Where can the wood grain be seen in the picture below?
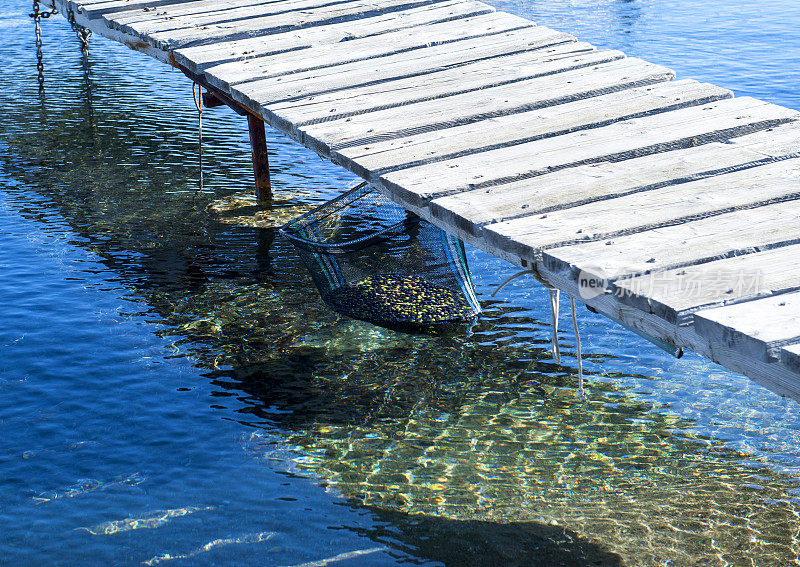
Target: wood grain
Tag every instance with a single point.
(757, 329)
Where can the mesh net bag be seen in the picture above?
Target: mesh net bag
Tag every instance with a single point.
(374, 261)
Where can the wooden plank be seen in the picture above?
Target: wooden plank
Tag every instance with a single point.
(622, 140)
(234, 15)
(249, 27)
(205, 8)
(342, 60)
(421, 37)
(378, 86)
(731, 234)
(126, 12)
(637, 212)
(477, 105)
(413, 21)
(674, 295)
(482, 74)
(471, 210)
(94, 9)
(127, 5)
(99, 27)
(419, 149)
(757, 329)
(790, 357)
(87, 4)
(147, 9)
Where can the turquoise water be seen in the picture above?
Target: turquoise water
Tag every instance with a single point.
(173, 391)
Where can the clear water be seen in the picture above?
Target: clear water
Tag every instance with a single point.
(172, 390)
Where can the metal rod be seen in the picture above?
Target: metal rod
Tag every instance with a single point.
(578, 350)
(555, 296)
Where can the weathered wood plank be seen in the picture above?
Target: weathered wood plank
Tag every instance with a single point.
(127, 5)
(731, 234)
(637, 212)
(94, 9)
(88, 4)
(205, 8)
(150, 9)
(363, 55)
(263, 25)
(790, 357)
(391, 43)
(674, 295)
(239, 16)
(99, 27)
(471, 210)
(622, 140)
(411, 151)
(479, 105)
(447, 82)
(401, 83)
(146, 12)
(411, 21)
(757, 328)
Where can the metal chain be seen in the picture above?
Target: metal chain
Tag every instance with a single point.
(83, 34)
(198, 103)
(38, 15)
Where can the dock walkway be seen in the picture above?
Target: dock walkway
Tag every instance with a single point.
(667, 205)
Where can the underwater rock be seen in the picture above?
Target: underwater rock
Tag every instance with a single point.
(243, 209)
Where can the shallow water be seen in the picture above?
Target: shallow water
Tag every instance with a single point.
(174, 391)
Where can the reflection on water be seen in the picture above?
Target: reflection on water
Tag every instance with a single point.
(150, 521)
(86, 486)
(247, 538)
(469, 446)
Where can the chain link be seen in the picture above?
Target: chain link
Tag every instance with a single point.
(198, 103)
(83, 34)
(38, 15)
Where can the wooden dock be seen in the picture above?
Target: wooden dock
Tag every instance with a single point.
(667, 205)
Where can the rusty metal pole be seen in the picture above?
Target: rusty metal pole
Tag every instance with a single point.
(258, 142)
